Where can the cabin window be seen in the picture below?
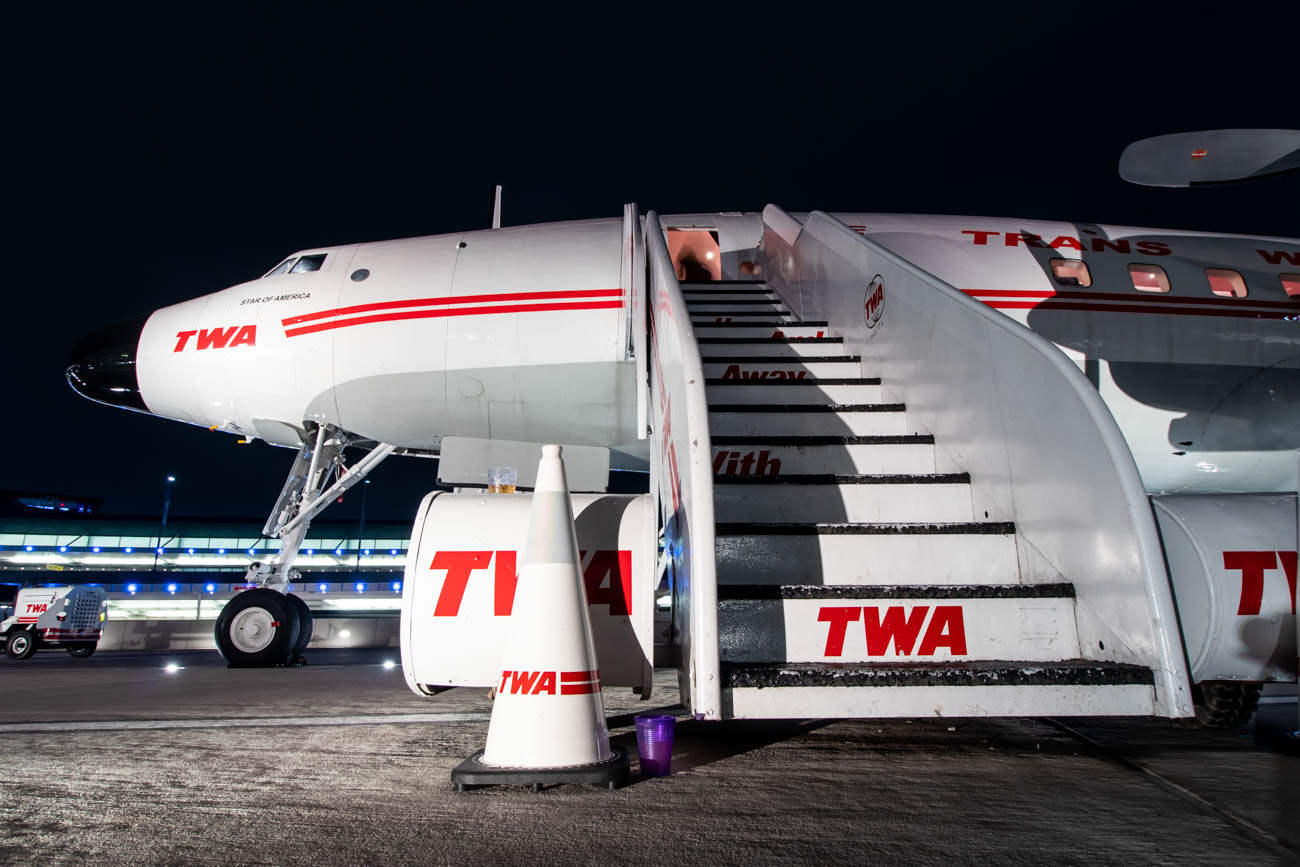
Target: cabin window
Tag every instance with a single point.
(1291, 284)
(1071, 272)
(1148, 278)
(283, 267)
(1228, 284)
(308, 263)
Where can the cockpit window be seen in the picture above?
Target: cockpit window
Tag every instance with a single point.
(308, 263)
(282, 268)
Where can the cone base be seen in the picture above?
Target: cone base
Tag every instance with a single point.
(472, 774)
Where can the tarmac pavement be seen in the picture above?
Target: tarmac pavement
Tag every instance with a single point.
(116, 760)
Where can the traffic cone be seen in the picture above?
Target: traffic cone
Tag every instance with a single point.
(548, 720)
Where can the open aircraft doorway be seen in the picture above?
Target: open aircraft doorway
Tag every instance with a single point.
(696, 254)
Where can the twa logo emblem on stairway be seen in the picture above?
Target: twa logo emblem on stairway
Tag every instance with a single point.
(893, 631)
(873, 304)
(734, 372)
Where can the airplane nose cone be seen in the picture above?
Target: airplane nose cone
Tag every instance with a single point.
(101, 366)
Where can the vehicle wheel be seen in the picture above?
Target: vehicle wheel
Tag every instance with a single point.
(306, 625)
(256, 629)
(22, 644)
(1225, 704)
(82, 650)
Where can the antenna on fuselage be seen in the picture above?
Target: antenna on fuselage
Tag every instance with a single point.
(496, 209)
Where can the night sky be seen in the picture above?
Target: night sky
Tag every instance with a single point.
(157, 154)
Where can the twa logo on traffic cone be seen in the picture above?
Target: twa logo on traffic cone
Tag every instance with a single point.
(548, 720)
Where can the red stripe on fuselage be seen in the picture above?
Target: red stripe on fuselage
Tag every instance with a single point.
(453, 299)
(450, 311)
(1145, 298)
(1048, 304)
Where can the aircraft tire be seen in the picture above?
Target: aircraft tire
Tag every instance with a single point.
(257, 629)
(82, 650)
(306, 625)
(21, 644)
(1226, 705)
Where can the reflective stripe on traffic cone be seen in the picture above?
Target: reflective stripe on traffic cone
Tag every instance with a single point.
(548, 720)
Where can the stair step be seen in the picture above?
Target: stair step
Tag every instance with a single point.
(771, 346)
(876, 419)
(777, 367)
(900, 690)
(693, 283)
(740, 301)
(756, 329)
(866, 554)
(843, 498)
(898, 623)
(734, 293)
(837, 392)
(750, 317)
(799, 457)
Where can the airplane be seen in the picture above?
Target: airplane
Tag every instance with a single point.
(523, 335)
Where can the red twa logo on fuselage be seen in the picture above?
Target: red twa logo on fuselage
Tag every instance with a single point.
(218, 338)
(607, 577)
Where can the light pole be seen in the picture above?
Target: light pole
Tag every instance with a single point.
(361, 527)
(162, 526)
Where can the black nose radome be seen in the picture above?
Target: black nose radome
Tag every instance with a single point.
(101, 366)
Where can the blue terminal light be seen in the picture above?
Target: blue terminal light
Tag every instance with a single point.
(250, 552)
(338, 552)
(397, 586)
(30, 548)
(96, 549)
(63, 549)
(221, 550)
(171, 588)
(322, 587)
(367, 552)
(211, 588)
(161, 550)
(191, 550)
(311, 551)
(361, 587)
(131, 588)
(392, 551)
(127, 550)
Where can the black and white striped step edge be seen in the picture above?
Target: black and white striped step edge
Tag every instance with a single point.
(685, 283)
(848, 479)
(695, 311)
(1071, 672)
(812, 323)
(730, 301)
(806, 407)
(746, 592)
(745, 359)
(807, 380)
(811, 440)
(991, 528)
(767, 341)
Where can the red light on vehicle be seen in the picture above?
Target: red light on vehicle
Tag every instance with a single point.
(1199, 154)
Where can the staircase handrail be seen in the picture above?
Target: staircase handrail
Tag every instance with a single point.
(1090, 418)
(682, 476)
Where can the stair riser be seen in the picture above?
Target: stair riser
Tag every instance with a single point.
(772, 330)
(868, 503)
(876, 559)
(763, 305)
(757, 460)
(885, 702)
(897, 630)
(792, 369)
(808, 424)
(701, 298)
(700, 318)
(785, 350)
(806, 393)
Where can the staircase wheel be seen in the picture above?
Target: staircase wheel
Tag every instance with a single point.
(1225, 704)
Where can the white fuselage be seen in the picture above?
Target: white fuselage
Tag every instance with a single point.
(522, 334)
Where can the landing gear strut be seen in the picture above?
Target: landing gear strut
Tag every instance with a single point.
(267, 625)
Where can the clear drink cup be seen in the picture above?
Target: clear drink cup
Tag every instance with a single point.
(501, 480)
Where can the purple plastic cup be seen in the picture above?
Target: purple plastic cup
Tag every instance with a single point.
(654, 742)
